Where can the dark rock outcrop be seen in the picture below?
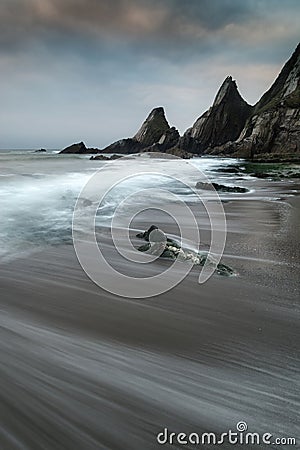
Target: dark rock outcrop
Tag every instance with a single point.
(174, 151)
(179, 152)
(221, 187)
(159, 244)
(285, 88)
(223, 122)
(105, 158)
(41, 150)
(75, 148)
(229, 169)
(79, 149)
(154, 127)
(168, 144)
(124, 146)
(273, 130)
(169, 139)
(155, 135)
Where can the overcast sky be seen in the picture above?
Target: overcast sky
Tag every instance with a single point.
(92, 70)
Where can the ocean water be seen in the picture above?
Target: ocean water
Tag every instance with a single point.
(38, 191)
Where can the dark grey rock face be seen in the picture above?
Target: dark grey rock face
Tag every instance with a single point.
(285, 88)
(273, 133)
(157, 243)
(179, 152)
(153, 128)
(79, 148)
(124, 146)
(173, 151)
(221, 187)
(75, 148)
(105, 158)
(273, 129)
(168, 143)
(169, 139)
(155, 134)
(223, 122)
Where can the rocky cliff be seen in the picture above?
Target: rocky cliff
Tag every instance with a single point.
(155, 134)
(273, 129)
(221, 123)
(153, 128)
(231, 127)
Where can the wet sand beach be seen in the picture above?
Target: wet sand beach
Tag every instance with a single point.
(84, 369)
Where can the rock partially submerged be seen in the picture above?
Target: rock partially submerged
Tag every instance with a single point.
(221, 187)
(79, 149)
(229, 169)
(41, 150)
(157, 243)
(105, 158)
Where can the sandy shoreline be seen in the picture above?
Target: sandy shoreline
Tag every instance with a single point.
(85, 369)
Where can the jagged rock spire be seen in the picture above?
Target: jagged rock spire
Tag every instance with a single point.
(153, 127)
(223, 122)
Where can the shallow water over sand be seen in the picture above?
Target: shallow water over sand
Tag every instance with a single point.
(38, 192)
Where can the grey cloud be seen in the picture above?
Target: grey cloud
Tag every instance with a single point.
(22, 21)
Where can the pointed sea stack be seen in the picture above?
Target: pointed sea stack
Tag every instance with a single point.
(221, 123)
(273, 130)
(155, 134)
(153, 128)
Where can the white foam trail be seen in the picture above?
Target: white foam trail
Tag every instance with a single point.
(38, 194)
